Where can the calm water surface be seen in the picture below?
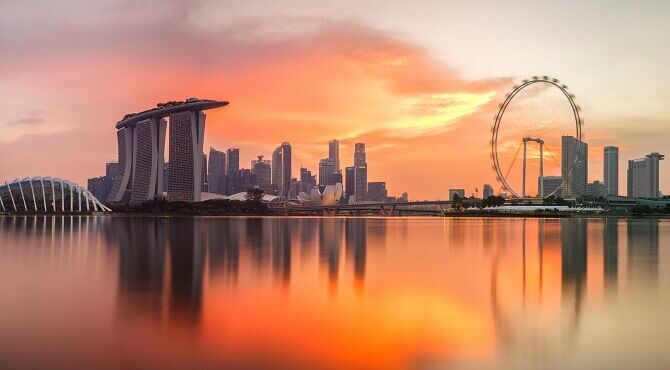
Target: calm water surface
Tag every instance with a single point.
(333, 293)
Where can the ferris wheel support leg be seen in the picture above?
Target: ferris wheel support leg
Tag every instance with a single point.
(541, 172)
(523, 183)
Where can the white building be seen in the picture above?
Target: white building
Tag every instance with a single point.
(643, 176)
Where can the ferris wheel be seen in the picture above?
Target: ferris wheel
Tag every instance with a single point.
(538, 111)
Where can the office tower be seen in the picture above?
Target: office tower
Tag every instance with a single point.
(574, 162)
(326, 170)
(377, 191)
(205, 186)
(334, 153)
(349, 182)
(216, 182)
(187, 132)
(404, 197)
(233, 156)
(454, 192)
(487, 191)
(245, 180)
(611, 170)
(359, 153)
(262, 168)
(360, 173)
(596, 189)
(336, 178)
(232, 170)
(307, 181)
(643, 176)
(281, 169)
(361, 182)
(551, 185)
(111, 170)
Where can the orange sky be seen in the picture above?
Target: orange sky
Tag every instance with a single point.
(425, 125)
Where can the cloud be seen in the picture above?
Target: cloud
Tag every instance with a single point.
(31, 119)
(333, 79)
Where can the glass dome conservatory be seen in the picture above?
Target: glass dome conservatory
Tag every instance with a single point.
(47, 195)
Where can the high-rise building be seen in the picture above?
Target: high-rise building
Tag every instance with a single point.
(643, 176)
(361, 182)
(574, 166)
(233, 156)
(360, 173)
(377, 191)
(596, 189)
(454, 192)
(326, 171)
(216, 181)
(245, 180)
(337, 178)
(611, 170)
(111, 170)
(349, 182)
(187, 133)
(487, 191)
(205, 186)
(334, 153)
(141, 143)
(307, 181)
(281, 169)
(262, 168)
(551, 186)
(359, 153)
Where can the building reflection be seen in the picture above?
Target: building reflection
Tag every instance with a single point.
(643, 255)
(356, 245)
(574, 261)
(610, 254)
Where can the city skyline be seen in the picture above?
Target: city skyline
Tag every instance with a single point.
(372, 83)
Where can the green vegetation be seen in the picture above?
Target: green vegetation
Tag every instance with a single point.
(642, 210)
(215, 207)
(493, 201)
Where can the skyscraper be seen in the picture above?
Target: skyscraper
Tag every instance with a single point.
(233, 155)
(360, 173)
(643, 176)
(205, 186)
(216, 181)
(487, 191)
(141, 143)
(262, 168)
(551, 185)
(361, 182)
(187, 133)
(611, 170)
(307, 181)
(359, 153)
(281, 169)
(326, 170)
(334, 153)
(574, 162)
(377, 191)
(349, 182)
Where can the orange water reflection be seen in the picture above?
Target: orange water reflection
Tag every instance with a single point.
(386, 293)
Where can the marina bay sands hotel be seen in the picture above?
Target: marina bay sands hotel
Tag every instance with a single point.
(141, 142)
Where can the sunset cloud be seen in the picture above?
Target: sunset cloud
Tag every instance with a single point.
(333, 79)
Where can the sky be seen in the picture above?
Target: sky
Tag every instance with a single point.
(419, 82)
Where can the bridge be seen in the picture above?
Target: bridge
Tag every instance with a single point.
(424, 207)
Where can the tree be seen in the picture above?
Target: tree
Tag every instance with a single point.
(254, 195)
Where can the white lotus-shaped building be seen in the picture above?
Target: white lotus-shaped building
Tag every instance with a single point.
(47, 195)
(331, 196)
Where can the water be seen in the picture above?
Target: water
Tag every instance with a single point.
(341, 293)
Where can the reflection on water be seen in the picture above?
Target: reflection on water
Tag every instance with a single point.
(109, 292)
